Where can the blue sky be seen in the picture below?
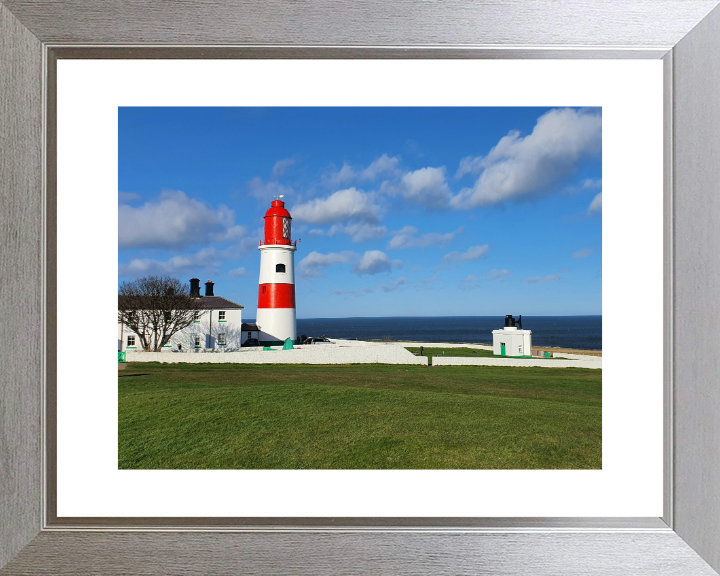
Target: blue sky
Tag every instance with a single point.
(401, 211)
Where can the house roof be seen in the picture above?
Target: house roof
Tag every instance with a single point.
(218, 303)
(248, 327)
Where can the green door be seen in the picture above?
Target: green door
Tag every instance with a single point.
(502, 349)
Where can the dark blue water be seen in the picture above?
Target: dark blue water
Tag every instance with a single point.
(581, 332)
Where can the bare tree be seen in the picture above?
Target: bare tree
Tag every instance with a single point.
(155, 308)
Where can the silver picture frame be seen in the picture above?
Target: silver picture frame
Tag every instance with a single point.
(685, 34)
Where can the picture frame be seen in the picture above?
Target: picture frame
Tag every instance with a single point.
(685, 34)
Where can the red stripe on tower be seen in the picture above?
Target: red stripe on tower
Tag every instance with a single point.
(276, 296)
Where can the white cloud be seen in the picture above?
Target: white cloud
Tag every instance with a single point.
(406, 238)
(338, 177)
(319, 259)
(311, 266)
(536, 279)
(173, 220)
(522, 167)
(374, 262)
(469, 165)
(430, 280)
(359, 232)
(596, 204)
(472, 253)
(205, 259)
(351, 292)
(281, 166)
(236, 232)
(342, 205)
(238, 273)
(383, 165)
(402, 281)
(590, 183)
(247, 244)
(267, 191)
(469, 278)
(499, 274)
(582, 253)
(128, 196)
(425, 186)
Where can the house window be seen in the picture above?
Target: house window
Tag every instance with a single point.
(221, 316)
(196, 316)
(249, 334)
(280, 268)
(131, 341)
(221, 339)
(197, 341)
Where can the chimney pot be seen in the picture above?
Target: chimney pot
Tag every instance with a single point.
(195, 287)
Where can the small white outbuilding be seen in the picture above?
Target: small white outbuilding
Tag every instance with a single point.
(512, 341)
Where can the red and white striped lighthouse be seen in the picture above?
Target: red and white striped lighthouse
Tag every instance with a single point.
(276, 297)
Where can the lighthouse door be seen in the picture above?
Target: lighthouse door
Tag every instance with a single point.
(502, 349)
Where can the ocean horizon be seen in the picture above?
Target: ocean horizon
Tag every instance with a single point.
(580, 332)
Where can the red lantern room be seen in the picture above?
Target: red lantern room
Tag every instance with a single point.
(277, 224)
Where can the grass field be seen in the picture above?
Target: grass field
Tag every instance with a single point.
(230, 416)
(460, 352)
(452, 352)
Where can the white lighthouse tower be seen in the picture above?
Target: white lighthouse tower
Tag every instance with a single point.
(276, 296)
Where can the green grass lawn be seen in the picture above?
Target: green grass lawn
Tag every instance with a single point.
(452, 352)
(231, 416)
(462, 352)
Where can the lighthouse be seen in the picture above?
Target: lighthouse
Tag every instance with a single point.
(512, 340)
(276, 295)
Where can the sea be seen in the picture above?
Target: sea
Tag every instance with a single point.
(579, 332)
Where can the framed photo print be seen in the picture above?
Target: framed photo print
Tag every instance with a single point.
(417, 295)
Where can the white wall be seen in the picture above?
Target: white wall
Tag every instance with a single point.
(517, 342)
(270, 256)
(202, 327)
(276, 324)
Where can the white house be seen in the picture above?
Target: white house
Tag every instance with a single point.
(250, 331)
(511, 340)
(217, 326)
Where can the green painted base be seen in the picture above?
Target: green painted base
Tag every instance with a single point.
(271, 343)
(501, 356)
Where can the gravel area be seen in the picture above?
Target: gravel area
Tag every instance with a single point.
(361, 352)
(518, 362)
(584, 357)
(443, 345)
(316, 354)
